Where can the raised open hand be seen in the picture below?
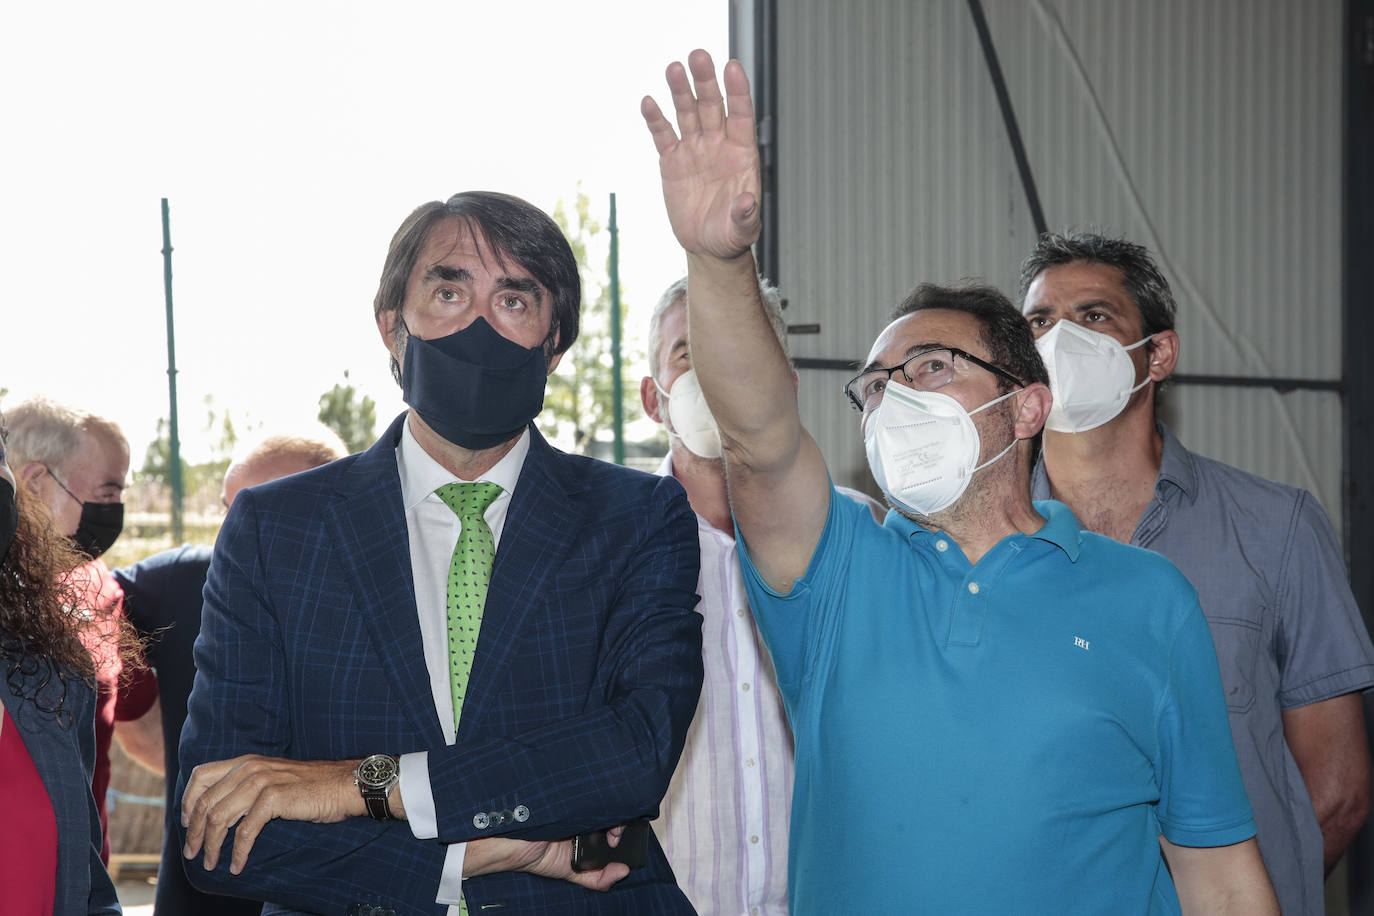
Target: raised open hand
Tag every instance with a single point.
(711, 173)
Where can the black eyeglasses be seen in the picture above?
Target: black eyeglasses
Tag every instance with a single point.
(929, 370)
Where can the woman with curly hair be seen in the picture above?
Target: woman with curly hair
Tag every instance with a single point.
(50, 843)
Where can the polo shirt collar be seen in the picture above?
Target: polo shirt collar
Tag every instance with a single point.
(1060, 528)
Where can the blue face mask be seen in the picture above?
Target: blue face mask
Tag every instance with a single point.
(474, 388)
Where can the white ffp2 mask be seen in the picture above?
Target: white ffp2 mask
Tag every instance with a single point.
(1091, 376)
(691, 418)
(923, 447)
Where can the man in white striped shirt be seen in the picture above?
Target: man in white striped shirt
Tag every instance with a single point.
(724, 820)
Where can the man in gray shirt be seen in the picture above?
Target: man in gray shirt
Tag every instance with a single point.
(1293, 648)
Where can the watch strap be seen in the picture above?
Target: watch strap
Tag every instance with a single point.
(378, 808)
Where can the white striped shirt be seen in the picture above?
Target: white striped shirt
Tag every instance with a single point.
(724, 821)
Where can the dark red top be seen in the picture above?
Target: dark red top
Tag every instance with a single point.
(28, 839)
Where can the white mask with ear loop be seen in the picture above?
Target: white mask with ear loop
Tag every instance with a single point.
(1091, 376)
(923, 447)
(691, 417)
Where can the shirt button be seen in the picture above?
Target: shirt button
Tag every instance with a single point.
(749, 762)
(754, 839)
(745, 687)
(942, 546)
(973, 588)
(739, 612)
(753, 911)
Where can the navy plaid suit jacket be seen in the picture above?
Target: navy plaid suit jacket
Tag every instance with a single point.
(586, 677)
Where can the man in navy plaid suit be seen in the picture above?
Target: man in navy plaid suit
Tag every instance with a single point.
(325, 690)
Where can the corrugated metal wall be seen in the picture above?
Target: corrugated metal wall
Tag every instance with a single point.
(1209, 131)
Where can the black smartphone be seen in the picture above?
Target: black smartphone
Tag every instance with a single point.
(590, 850)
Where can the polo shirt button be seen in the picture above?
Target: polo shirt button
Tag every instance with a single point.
(973, 588)
(942, 545)
(481, 821)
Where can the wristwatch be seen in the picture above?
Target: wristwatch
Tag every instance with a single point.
(375, 777)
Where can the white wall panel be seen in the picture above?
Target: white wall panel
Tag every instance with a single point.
(1209, 131)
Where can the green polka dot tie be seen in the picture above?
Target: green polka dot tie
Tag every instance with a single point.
(469, 575)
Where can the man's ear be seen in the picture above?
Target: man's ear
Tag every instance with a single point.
(1162, 351)
(29, 474)
(1032, 405)
(386, 326)
(648, 396)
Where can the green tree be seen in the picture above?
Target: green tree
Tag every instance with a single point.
(578, 405)
(157, 459)
(222, 437)
(354, 418)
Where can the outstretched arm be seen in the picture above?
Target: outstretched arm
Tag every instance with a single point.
(779, 490)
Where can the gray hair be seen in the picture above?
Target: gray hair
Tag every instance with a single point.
(45, 431)
(768, 294)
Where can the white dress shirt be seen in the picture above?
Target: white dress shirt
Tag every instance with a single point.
(433, 529)
(724, 821)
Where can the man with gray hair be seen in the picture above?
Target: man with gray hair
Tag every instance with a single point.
(728, 858)
(162, 595)
(76, 463)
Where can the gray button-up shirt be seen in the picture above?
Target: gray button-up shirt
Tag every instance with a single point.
(1273, 585)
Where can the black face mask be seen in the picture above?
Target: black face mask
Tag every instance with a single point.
(99, 526)
(475, 388)
(9, 517)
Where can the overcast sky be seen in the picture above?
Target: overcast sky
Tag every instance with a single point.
(291, 139)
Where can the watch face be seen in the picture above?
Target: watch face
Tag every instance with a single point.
(377, 770)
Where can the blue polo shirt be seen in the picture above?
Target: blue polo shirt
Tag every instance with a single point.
(1010, 736)
(1271, 579)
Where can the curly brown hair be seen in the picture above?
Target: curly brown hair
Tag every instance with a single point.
(40, 630)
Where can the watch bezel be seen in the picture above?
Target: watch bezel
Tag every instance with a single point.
(378, 771)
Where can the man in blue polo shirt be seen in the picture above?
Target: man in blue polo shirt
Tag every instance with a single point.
(994, 711)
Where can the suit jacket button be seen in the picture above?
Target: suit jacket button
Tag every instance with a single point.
(522, 814)
(481, 821)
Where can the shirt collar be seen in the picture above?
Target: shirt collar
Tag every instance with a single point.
(1176, 464)
(1175, 467)
(421, 475)
(1060, 528)
(665, 468)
